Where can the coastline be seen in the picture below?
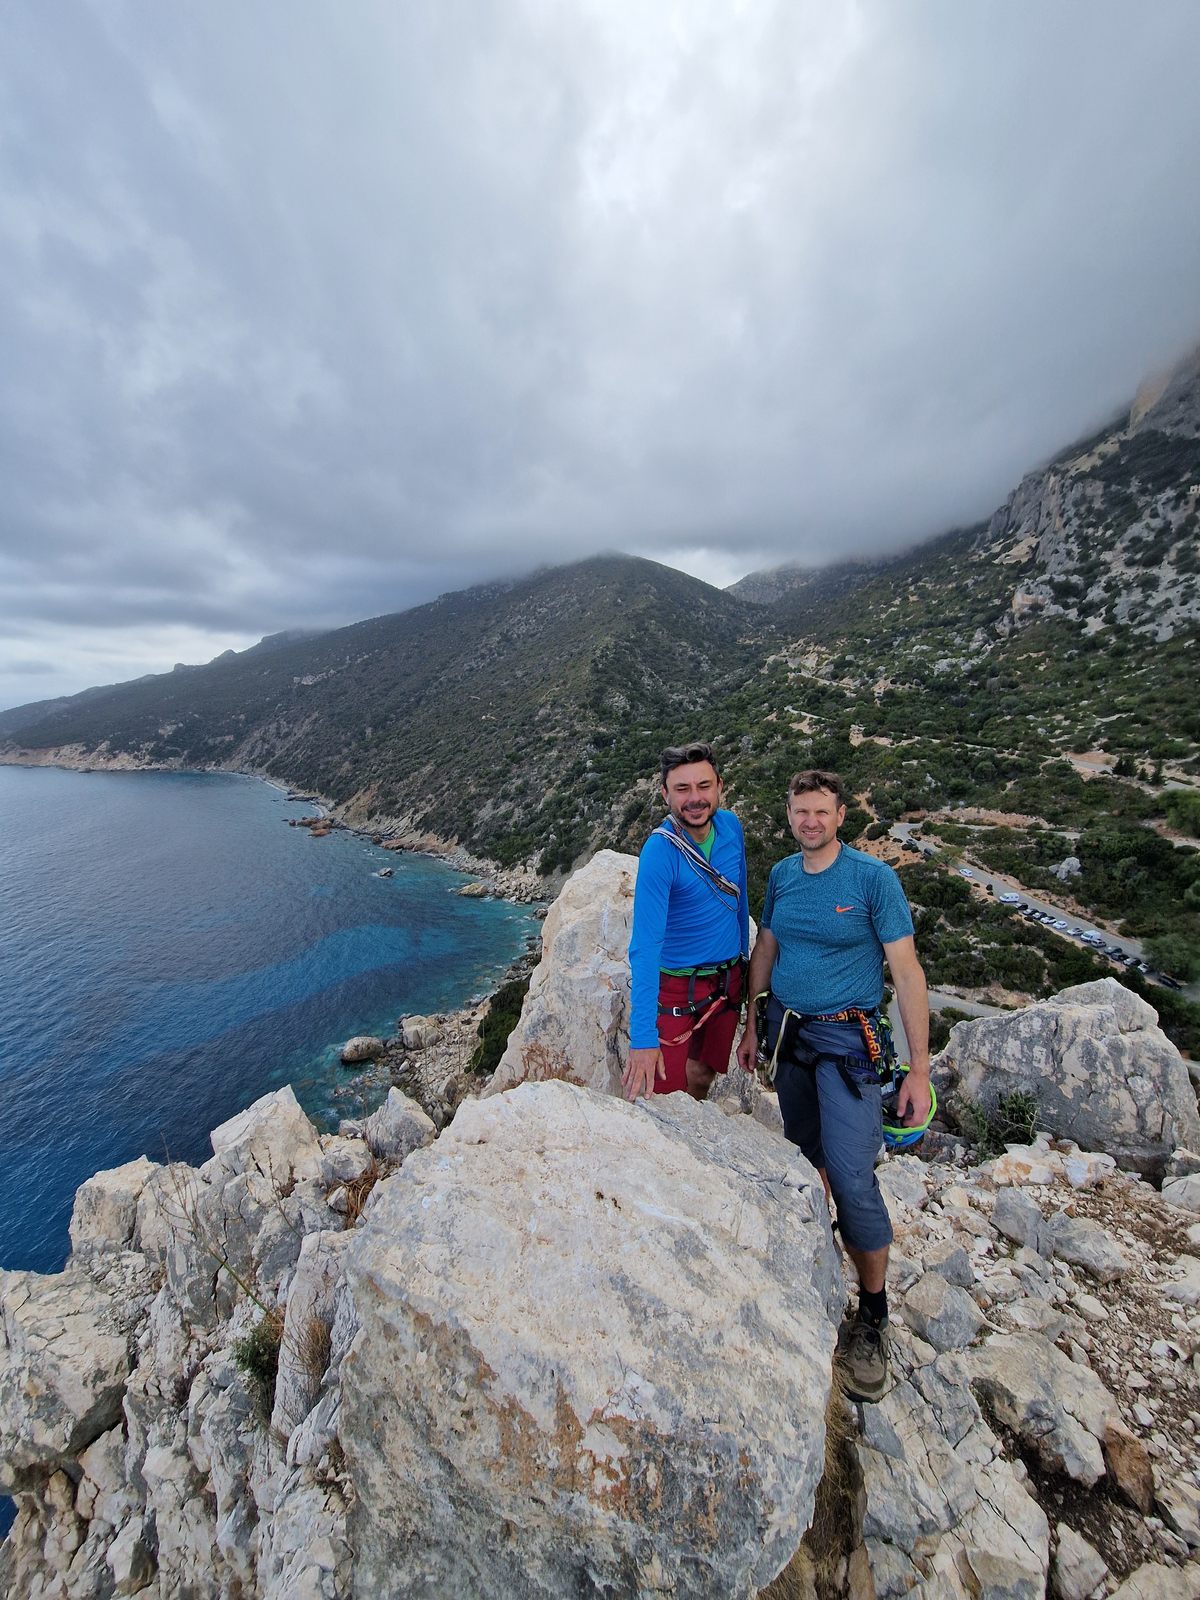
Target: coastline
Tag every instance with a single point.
(522, 885)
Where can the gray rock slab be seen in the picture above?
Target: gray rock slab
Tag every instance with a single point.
(1084, 1244)
(1018, 1217)
(1058, 1407)
(1078, 1566)
(64, 1360)
(941, 1313)
(1156, 1581)
(523, 1409)
(105, 1209)
(397, 1128)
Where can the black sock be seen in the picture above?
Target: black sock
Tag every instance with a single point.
(872, 1305)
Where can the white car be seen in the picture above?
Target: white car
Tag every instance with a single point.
(1060, 925)
(1091, 937)
(1009, 899)
(965, 872)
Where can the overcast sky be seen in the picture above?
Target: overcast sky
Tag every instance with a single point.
(313, 311)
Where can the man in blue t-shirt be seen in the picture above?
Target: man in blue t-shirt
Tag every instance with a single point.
(830, 918)
(691, 930)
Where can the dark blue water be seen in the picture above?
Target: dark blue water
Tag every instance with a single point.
(170, 950)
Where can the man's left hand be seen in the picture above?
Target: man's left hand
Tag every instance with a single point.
(913, 1097)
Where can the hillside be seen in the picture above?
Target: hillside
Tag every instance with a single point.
(505, 717)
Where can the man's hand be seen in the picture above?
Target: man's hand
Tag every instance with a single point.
(747, 1050)
(913, 1097)
(640, 1072)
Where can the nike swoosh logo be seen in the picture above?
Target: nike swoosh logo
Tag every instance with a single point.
(843, 908)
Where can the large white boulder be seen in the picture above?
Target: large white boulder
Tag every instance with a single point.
(594, 1355)
(1103, 1072)
(575, 1020)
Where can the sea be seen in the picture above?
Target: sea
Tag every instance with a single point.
(170, 950)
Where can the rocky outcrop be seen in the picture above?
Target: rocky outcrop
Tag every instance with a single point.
(363, 1047)
(574, 1024)
(577, 1346)
(1103, 1073)
(575, 1020)
(635, 1338)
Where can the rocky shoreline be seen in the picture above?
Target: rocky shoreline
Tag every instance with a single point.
(522, 885)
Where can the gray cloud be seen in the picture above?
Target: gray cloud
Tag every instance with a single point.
(312, 313)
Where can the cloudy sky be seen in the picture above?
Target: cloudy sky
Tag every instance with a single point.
(313, 311)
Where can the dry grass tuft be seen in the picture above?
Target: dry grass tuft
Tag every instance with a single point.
(815, 1571)
(358, 1190)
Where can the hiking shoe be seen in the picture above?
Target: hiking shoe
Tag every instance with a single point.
(862, 1359)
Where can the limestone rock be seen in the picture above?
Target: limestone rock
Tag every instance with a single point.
(66, 1360)
(1084, 1244)
(1154, 1581)
(1078, 1566)
(942, 1314)
(418, 1033)
(939, 1493)
(1060, 1408)
(575, 1020)
(1179, 1502)
(1105, 1075)
(523, 1410)
(397, 1128)
(1183, 1192)
(272, 1137)
(1128, 1466)
(305, 1349)
(363, 1047)
(105, 1209)
(1018, 1217)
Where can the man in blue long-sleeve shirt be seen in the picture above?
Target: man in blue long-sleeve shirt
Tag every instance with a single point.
(691, 922)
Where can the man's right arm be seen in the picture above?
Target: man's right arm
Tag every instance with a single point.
(650, 898)
(762, 961)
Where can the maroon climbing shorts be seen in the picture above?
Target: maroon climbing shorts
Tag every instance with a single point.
(710, 1043)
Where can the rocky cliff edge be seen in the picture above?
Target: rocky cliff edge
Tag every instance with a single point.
(570, 1346)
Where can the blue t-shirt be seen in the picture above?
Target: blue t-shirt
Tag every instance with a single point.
(682, 920)
(831, 928)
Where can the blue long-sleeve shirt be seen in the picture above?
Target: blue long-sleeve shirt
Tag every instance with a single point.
(682, 920)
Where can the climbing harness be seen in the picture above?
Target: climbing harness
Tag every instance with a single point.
(877, 1061)
(703, 1009)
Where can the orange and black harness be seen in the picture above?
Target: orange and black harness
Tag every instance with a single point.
(879, 1048)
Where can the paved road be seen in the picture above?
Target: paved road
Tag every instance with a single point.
(981, 878)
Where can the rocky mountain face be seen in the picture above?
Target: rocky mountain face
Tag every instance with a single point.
(1108, 533)
(572, 1346)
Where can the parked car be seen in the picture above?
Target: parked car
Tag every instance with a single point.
(1165, 977)
(1090, 936)
(1010, 899)
(1060, 924)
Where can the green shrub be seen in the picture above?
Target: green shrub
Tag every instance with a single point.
(502, 1017)
(257, 1355)
(1010, 1119)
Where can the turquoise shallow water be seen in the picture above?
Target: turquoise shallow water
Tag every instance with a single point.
(171, 950)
